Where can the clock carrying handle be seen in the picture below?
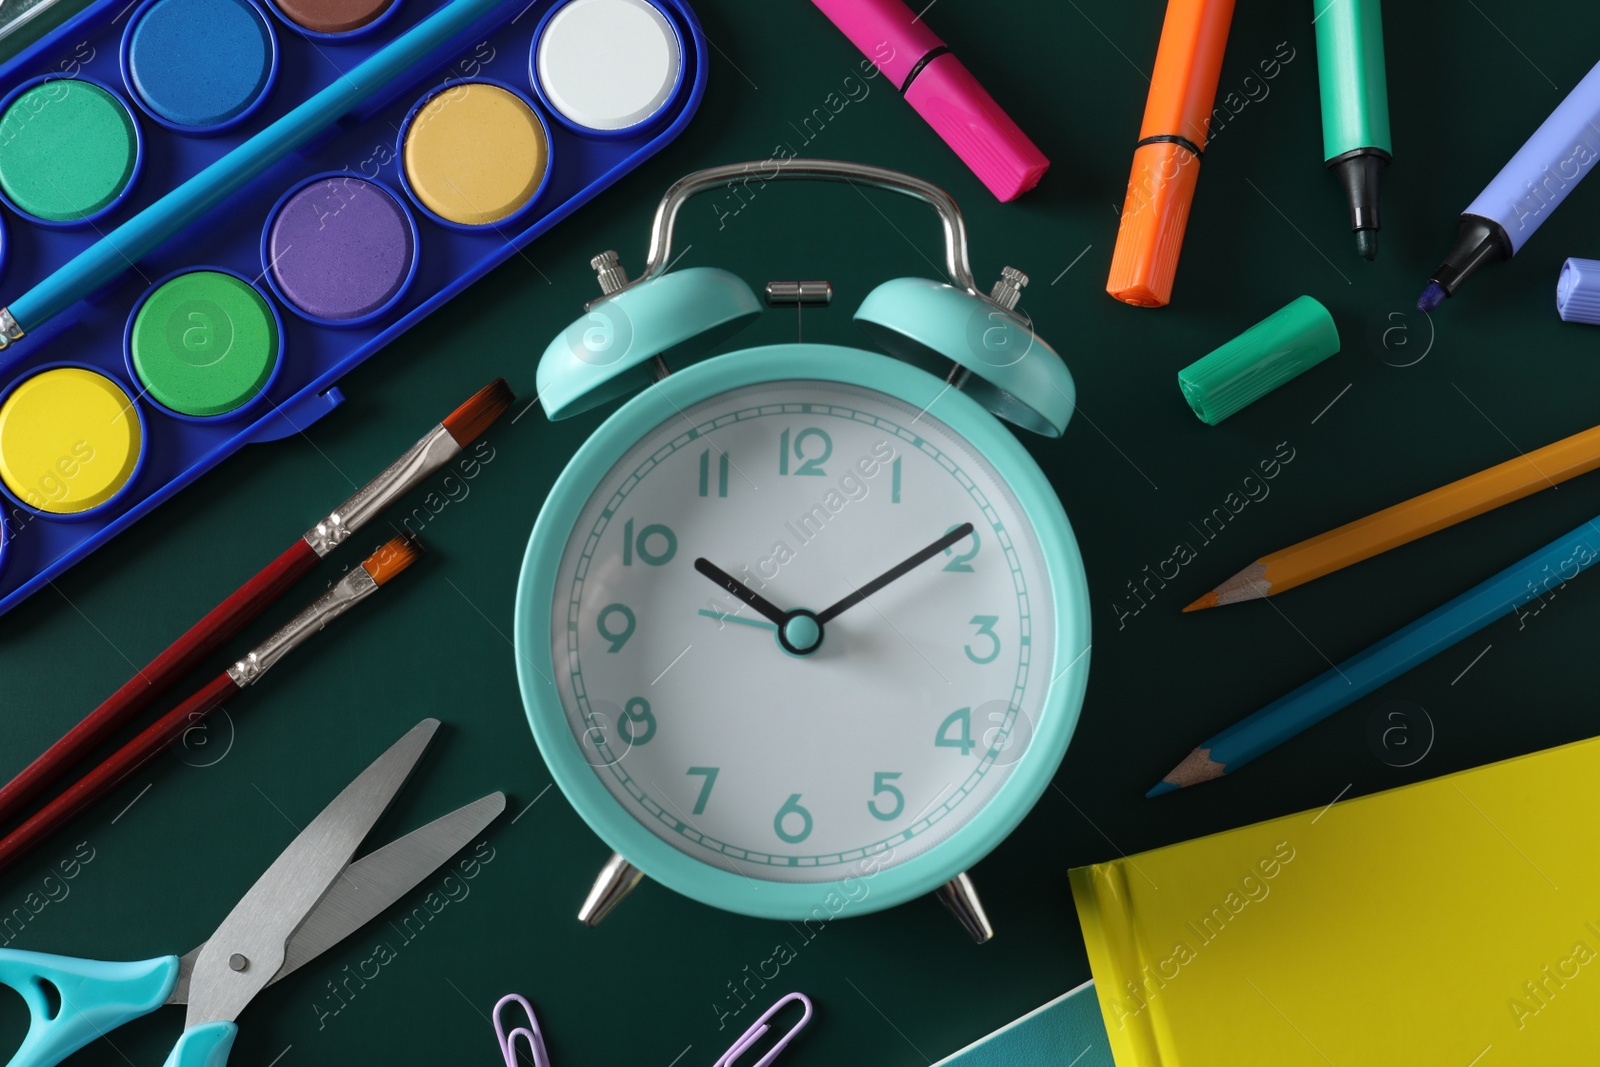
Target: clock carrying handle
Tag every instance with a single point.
(823, 170)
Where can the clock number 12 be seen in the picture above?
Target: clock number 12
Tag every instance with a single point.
(810, 464)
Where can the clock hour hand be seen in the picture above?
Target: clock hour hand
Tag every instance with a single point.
(733, 585)
(899, 570)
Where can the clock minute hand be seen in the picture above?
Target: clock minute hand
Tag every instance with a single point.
(742, 591)
(899, 570)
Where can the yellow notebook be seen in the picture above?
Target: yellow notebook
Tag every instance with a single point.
(1453, 922)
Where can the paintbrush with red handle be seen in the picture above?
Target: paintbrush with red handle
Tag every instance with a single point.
(375, 571)
(442, 444)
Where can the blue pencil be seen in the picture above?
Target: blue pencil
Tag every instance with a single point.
(1359, 675)
(405, 56)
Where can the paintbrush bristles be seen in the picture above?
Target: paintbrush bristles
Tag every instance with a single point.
(393, 557)
(467, 422)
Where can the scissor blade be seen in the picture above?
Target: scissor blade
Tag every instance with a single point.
(247, 950)
(385, 876)
(372, 883)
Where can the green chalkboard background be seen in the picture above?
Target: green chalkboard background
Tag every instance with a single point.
(1407, 405)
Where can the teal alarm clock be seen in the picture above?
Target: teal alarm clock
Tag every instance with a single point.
(802, 630)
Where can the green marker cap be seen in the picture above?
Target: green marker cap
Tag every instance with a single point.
(1293, 339)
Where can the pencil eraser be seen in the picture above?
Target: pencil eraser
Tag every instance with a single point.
(1155, 214)
(1286, 343)
(1578, 291)
(959, 109)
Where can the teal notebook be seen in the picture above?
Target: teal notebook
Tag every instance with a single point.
(1067, 1032)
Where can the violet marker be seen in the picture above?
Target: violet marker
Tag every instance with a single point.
(1525, 192)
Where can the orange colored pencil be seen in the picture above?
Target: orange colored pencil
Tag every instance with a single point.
(1409, 520)
(1166, 161)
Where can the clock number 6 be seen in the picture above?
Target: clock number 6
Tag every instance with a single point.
(617, 638)
(636, 713)
(792, 807)
(985, 625)
(880, 786)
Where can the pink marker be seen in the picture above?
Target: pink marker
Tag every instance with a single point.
(943, 91)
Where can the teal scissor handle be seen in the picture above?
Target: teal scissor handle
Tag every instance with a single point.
(206, 1045)
(71, 1001)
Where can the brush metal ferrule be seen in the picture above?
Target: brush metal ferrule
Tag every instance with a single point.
(419, 462)
(350, 590)
(10, 329)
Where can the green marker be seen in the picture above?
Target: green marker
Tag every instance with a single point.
(1355, 107)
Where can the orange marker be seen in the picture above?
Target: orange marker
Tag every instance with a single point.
(1166, 161)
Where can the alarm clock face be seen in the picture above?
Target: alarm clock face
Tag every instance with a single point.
(875, 736)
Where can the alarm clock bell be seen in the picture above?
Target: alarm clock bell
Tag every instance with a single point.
(638, 328)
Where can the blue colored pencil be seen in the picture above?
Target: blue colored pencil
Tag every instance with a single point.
(405, 56)
(1359, 675)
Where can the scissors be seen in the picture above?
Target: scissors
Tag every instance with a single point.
(309, 900)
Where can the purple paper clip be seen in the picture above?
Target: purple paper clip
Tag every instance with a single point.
(530, 1033)
(760, 1027)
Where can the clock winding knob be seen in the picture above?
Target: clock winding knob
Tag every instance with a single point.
(608, 268)
(1008, 290)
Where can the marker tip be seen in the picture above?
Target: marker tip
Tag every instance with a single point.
(1431, 297)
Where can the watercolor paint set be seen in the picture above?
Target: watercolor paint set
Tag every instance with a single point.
(237, 326)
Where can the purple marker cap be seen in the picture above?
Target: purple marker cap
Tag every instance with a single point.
(341, 249)
(1578, 291)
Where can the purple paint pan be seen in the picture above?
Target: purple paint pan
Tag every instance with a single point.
(340, 250)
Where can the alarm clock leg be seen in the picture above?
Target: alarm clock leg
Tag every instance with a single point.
(962, 899)
(617, 879)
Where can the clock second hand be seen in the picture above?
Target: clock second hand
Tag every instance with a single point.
(728, 616)
(899, 570)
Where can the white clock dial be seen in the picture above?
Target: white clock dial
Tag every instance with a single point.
(882, 740)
